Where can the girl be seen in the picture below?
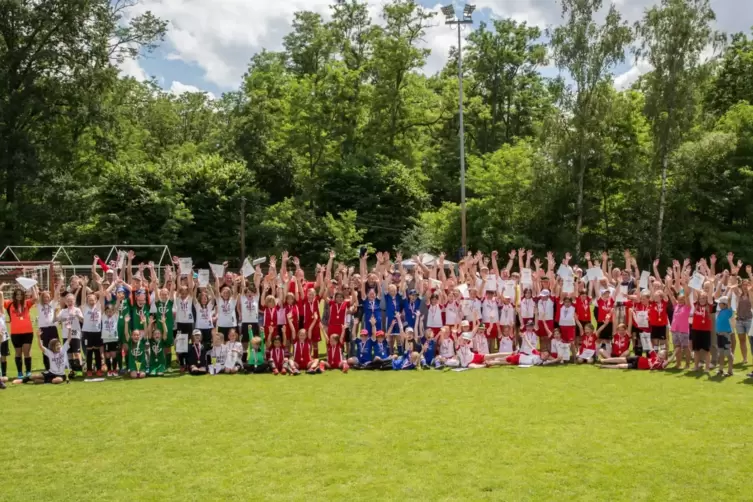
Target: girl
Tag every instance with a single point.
(429, 348)
(641, 321)
(71, 319)
(226, 309)
(453, 311)
(156, 350)
(123, 299)
(110, 337)
(480, 341)
(587, 349)
(335, 353)
(723, 336)
(56, 356)
(446, 355)
(164, 306)
(301, 357)
(529, 339)
(490, 318)
(657, 320)
(184, 318)
(507, 318)
(434, 320)
(233, 361)
(137, 353)
(205, 318)
(196, 359)
(654, 361)
(507, 340)
(560, 353)
(527, 307)
(292, 315)
(248, 307)
(743, 317)
(700, 332)
(92, 331)
(47, 310)
(256, 362)
(4, 352)
(393, 304)
(412, 351)
(680, 327)
(371, 307)
(269, 320)
(21, 329)
(620, 346)
(382, 352)
(311, 319)
(604, 306)
(567, 320)
(545, 315)
(217, 354)
(277, 359)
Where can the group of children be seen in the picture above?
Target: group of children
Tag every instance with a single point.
(401, 314)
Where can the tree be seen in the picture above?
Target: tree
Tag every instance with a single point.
(732, 81)
(673, 34)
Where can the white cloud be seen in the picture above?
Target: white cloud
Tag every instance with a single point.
(131, 68)
(179, 88)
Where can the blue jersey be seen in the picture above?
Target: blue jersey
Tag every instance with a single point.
(723, 324)
(381, 349)
(372, 308)
(410, 311)
(429, 352)
(393, 307)
(363, 350)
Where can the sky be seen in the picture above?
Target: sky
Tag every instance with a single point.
(210, 42)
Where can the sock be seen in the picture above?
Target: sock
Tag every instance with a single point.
(19, 365)
(244, 358)
(4, 368)
(119, 359)
(46, 361)
(89, 360)
(27, 360)
(168, 360)
(98, 359)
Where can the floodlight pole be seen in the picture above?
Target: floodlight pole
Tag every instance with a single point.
(458, 23)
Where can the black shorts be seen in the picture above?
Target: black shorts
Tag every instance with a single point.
(607, 333)
(74, 347)
(19, 341)
(47, 334)
(658, 332)
(49, 376)
(700, 340)
(248, 330)
(184, 327)
(112, 346)
(206, 338)
(4, 349)
(225, 332)
(632, 362)
(92, 339)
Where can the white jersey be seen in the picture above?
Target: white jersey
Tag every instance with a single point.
(567, 316)
(505, 345)
(527, 308)
(58, 360)
(532, 339)
(184, 306)
(529, 360)
(470, 306)
(507, 314)
(447, 348)
(489, 311)
(233, 352)
(3, 328)
(92, 318)
(46, 314)
(204, 315)
(250, 309)
(110, 328)
(226, 313)
(480, 343)
(218, 354)
(452, 313)
(434, 316)
(546, 309)
(70, 322)
(562, 349)
(465, 355)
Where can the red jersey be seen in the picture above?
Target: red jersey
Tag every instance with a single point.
(701, 317)
(337, 313)
(588, 343)
(637, 309)
(620, 343)
(334, 354)
(583, 308)
(652, 362)
(302, 353)
(309, 309)
(293, 311)
(603, 308)
(657, 313)
(269, 318)
(277, 356)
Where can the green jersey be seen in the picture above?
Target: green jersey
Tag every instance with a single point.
(256, 357)
(157, 357)
(139, 317)
(166, 308)
(125, 310)
(137, 355)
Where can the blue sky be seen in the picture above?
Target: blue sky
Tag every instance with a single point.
(210, 42)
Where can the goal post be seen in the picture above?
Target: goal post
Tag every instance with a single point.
(48, 274)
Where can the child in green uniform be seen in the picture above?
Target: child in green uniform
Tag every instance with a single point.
(139, 313)
(256, 362)
(163, 307)
(137, 351)
(123, 297)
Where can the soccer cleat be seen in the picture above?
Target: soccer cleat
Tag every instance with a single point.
(345, 368)
(284, 371)
(89, 374)
(2, 385)
(28, 374)
(275, 372)
(99, 373)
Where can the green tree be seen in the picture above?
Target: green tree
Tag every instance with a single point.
(732, 81)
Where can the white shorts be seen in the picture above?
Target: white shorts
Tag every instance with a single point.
(586, 354)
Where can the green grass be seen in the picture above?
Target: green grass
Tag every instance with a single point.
(574, 433)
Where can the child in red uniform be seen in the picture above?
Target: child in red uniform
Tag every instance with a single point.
(301, 357)
(658, 321)
(337, 310)
(654, 361)
(269, 320)
(335, 353)
(620, 342)
(587, 344)
(700, 331)
(641, 321)
(277, 360)
(310, 309)
(292, 317)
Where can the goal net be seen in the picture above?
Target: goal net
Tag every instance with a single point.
(47, 274)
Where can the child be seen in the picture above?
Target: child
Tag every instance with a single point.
(196, 358)
(277, 360)
(658, 320)
(57, 356)
(480, 343)
(429, 348)
(110, 337)
(164, 306)
(567, 322)
(680, 328)
(47, 309)
(507, 340)
(4, 349)
(654, 361)
(156, 348)
(620, 346)
(587, 344)
(217, 354)
(382, 351)
(233, 360)
(446, 355)
(335, 352)
(92, 332)
(529, 339)
(364, 347)
(723, 336)
(300, 359)
(412, 349)
(70, 319)
(641, 313)
(136, 354)
(561, 351)
(469, 359)
(256, 362)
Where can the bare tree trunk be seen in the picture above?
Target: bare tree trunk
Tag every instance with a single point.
(662, 201)
(581, 179)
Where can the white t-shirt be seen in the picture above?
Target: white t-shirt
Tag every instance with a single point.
(46, 314)
(184, 306)
(465, 355)
(507, 314)
(226, 317)
(447, 348)
(250, 309)
(70, 322)
(110, 328)
(561, 348)
(3, 328)
(480, 343)
(471, 306)
(434, 316)
(92, 318)
(529, 360)
(567, 316)
(532, 338)
(58, 360)
(219, 354)
(452, 313)
(527, 308)
(546, 309)
(505, 344)
(490, 311)
(204, 315)
(234, 350)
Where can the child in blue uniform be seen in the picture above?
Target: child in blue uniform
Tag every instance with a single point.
(382, 353)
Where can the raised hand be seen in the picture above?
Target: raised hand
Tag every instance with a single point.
(568, 257)
(332, 254)
(587, 256)
(730, 257)
(399, 257)
(131, 255)
(712, 259)
(529, 254)
(512, 254)
(656, 262)
(285, 256)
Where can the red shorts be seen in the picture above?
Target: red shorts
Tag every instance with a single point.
(478, 359)
(568, 333)
(435, 330)
(513, 359)
(335, 329)
(540, 328)
(316, 334)
(493, 332)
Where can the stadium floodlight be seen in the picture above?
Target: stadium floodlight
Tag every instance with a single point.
(448, 11)
(468, 10)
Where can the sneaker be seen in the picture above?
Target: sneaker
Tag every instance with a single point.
(20, 376)
(345, 368)
(99, 373)
(89, 374)
(275, 372)
(720, 373)
(284, 371)
(28, 374)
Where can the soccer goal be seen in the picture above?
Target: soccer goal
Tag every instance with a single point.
(48, 274)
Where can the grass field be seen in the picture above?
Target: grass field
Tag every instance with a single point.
(496, 434)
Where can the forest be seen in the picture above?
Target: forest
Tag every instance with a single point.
(342, 140)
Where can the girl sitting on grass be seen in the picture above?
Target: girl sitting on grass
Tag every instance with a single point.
(58, 360)
(196, 358)
(217, 354)
(446, 355)
(278, 361)
(137, 351)
(256, 362)
(588, 339)
(335, 358)
(233, 360)
(301, 359)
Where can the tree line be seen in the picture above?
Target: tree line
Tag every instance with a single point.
(340, 140)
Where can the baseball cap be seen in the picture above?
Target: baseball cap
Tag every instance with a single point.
(196, 332)
(544, 292)
(380, 333)
(364, 332)
(412, 292)
(723, 299)
(467, 336)
(465, 323)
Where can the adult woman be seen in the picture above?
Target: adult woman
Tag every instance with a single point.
(744, 316)
(21, 330)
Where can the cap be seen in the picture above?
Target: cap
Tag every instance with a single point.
(465, 323)
(544, 292)
(467, 336)
(529, 323)
(723, 299)
(364, 332)
(412, 292)
(196, 332)
(380, 333)
(604, 290)
(409, 330)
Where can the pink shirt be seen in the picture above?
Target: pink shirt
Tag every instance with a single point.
(681, 319)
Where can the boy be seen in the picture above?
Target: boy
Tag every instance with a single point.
(723, 336)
